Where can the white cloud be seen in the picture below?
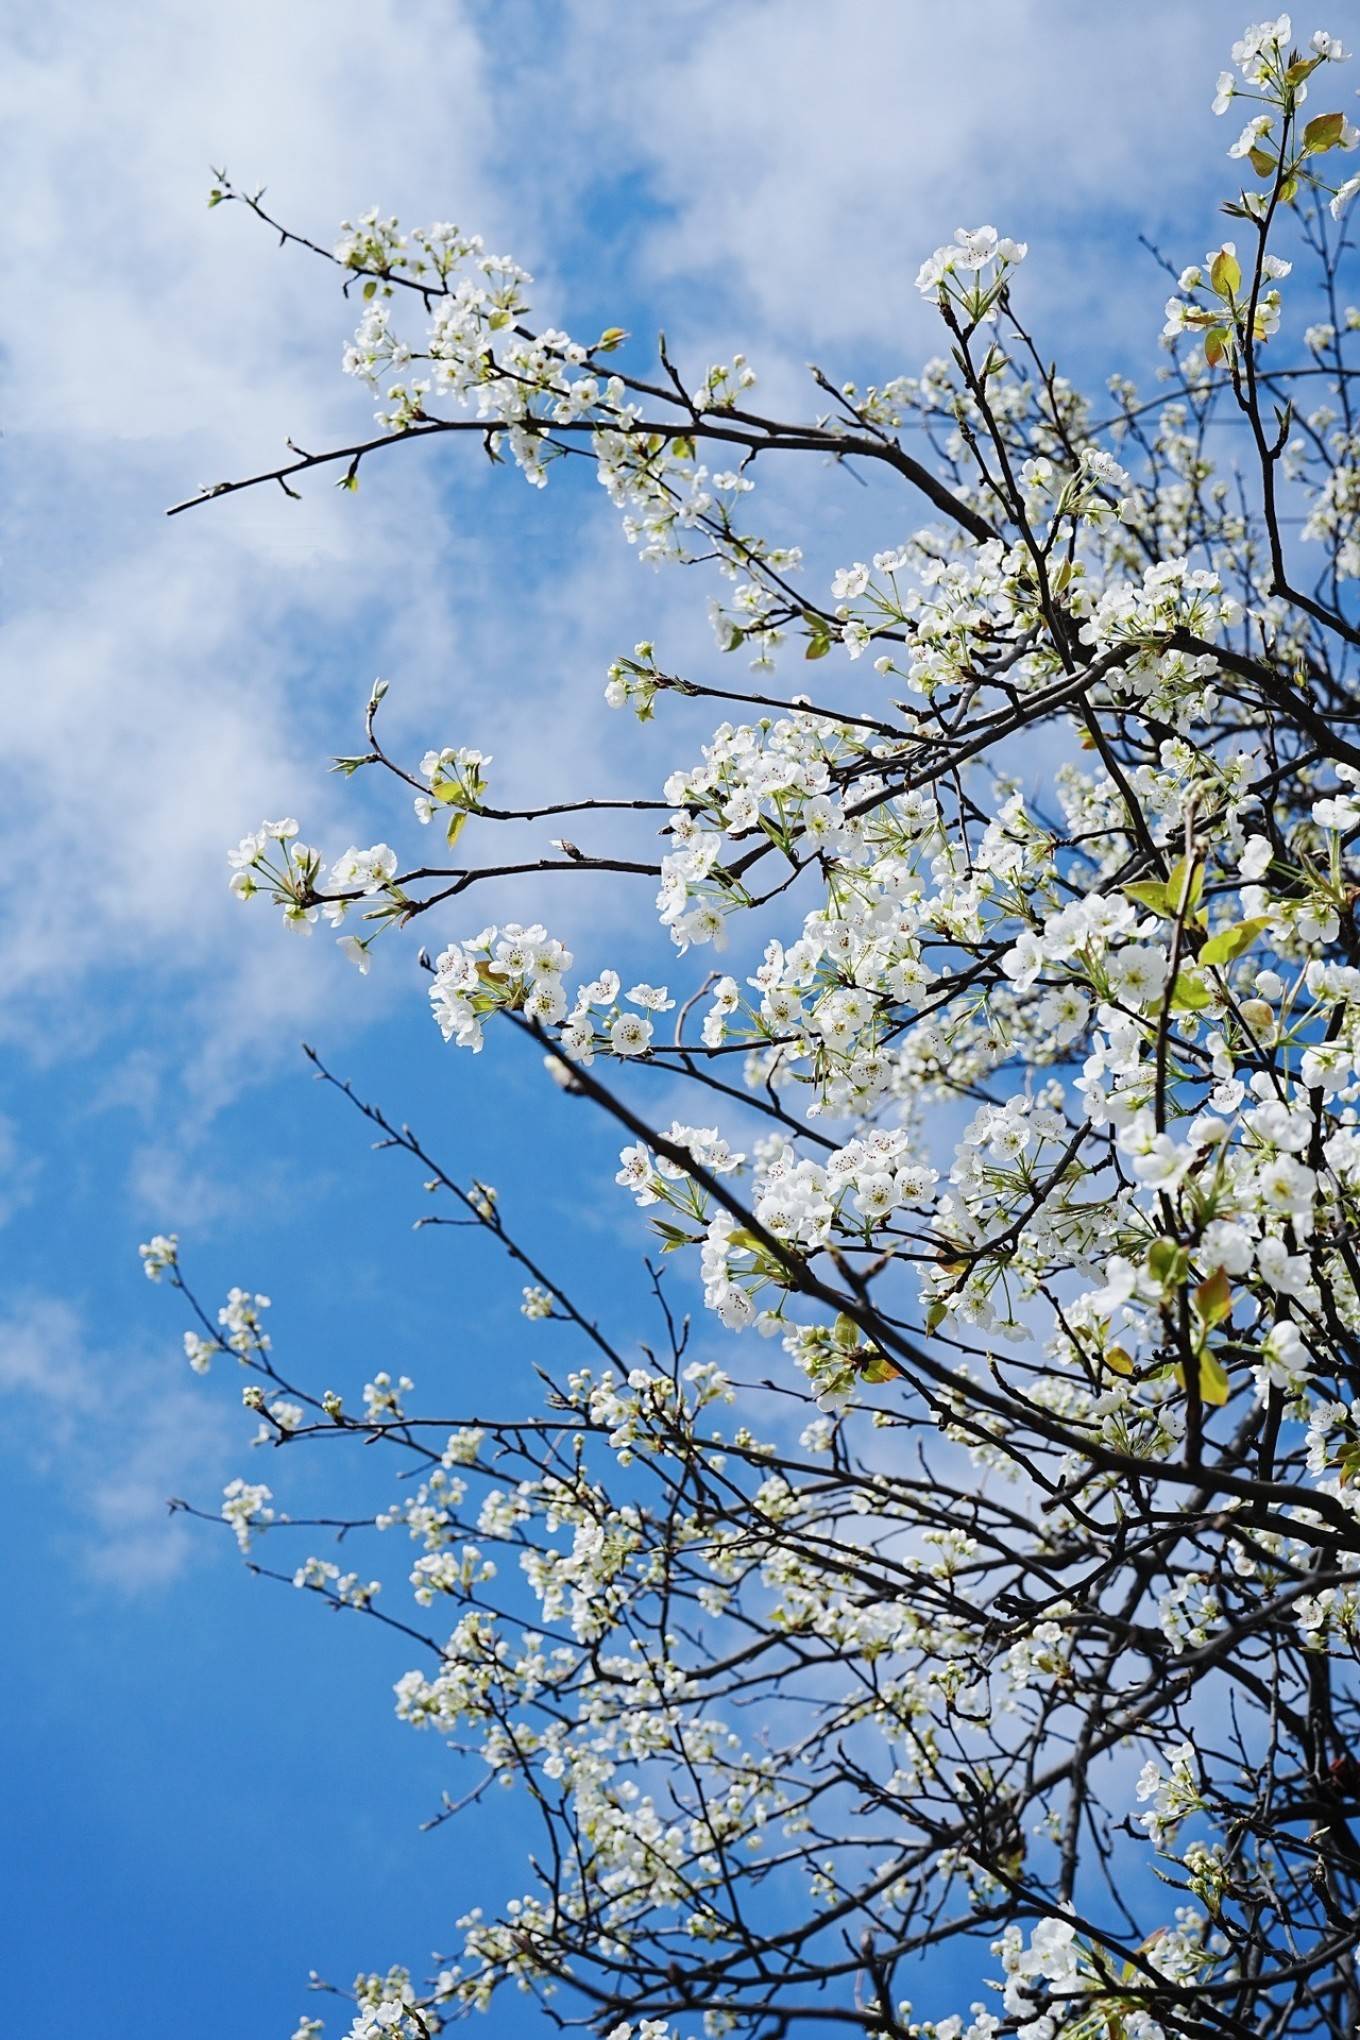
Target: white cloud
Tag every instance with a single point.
(112, 1433)
(176, 679)
(182, 679)
(20, 1170)
(807, 157)
(163, 322)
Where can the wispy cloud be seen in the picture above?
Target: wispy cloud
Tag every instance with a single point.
(804, 158)
(111, 1432)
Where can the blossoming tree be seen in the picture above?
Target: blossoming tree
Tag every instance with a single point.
(1024, 1654)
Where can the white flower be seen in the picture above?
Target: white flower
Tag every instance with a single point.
(1343, 196)
(1286, 1186)
(365, 871)
(1138, 973)
(850, 582)
(630, 1034)
(246, 1508)
(601, 991)
(158, 1254)
(1285, 1358)
(1255, 859)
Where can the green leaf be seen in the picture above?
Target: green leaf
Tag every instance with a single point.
(371, 287)
(845, 1332)
(1189, 994)
(740, 1237)
(673, 1236)
(1213, 1298)
(934, 1316)
(1225, 273)
(215, 198)
(1214, 1385)
(682, 446)
(1301, 68)
(612, 337)
(818, 647)
(1152, 894)
(457, 822)
(1180, 893)
(1185, 885)
(1348, 1464)
(1216, 344)
(1264, 164)
(879, 1368)
(1324, 132)
(1231, 942)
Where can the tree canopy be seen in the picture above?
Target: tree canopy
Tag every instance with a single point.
(998, 1621)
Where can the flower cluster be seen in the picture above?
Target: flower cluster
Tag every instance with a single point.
(971, 272)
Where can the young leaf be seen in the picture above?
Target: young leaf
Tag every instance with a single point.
(1324, 132)
(1185, 885)
(1347, 1464)
(1152, 894)
(1231, 942)
(1189, 994)
(672, 1238)
(879, 1368)
(1213, 1298)
(1225, 273)
(1214, 1385)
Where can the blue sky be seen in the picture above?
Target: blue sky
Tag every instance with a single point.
(206, 1785)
